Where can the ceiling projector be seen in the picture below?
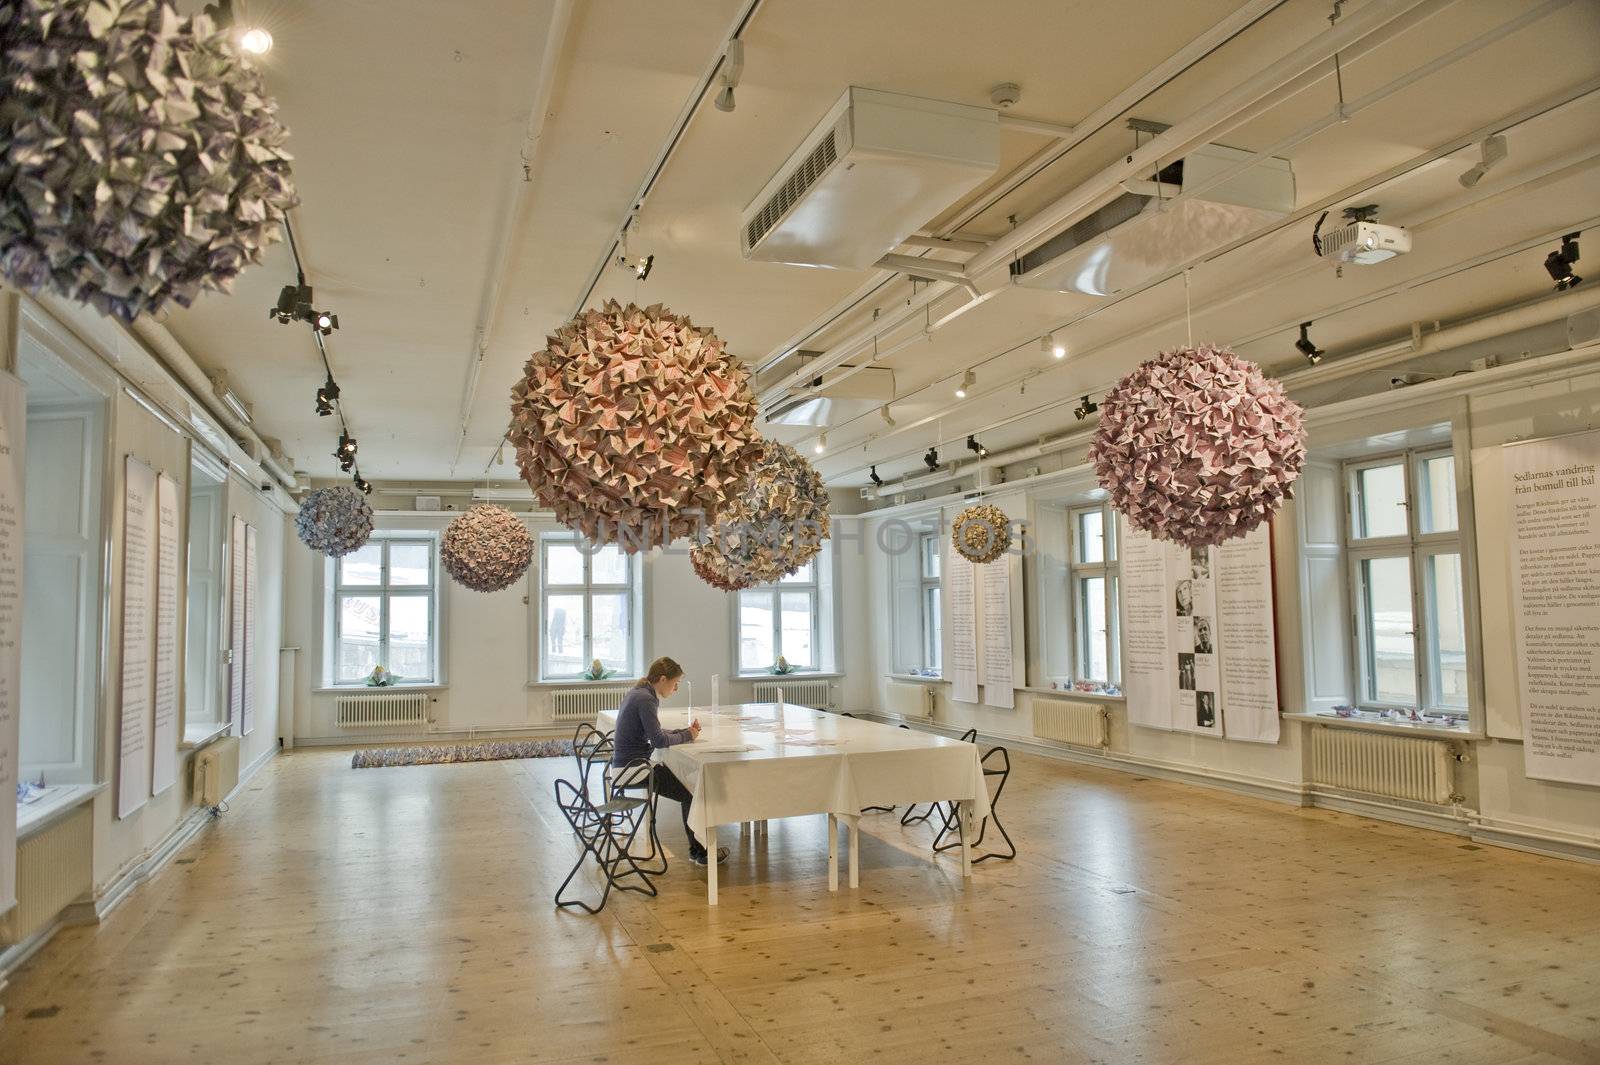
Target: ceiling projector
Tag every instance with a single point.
(1362, 239)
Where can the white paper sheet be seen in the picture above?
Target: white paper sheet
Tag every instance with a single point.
(13, 466)
(961, 625)
(164, 746)
(138, 587)
(998, 681)
(247, 699)
(1249, 659)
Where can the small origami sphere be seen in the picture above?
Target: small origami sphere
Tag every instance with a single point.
(634, 426)
(981, 533)
(140, 159)
(487, 548)
(771, 529)
(334, 521)
(1198, 446)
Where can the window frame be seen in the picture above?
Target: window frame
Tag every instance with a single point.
(587, 590)
(1414, 546)
(384, 591)
(1109, 569)
(930, 590)
(812, 588)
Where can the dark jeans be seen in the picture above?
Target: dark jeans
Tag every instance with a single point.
(669, 786)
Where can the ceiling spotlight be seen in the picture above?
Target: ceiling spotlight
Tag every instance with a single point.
(255, 41)
(888, 419)
(1492, 151)
(251, 39)
(290, 298)
(640, 266)
(973, 445)
(346, 452)
(1305, 347)
(872, 474)
(931, 459)
(968, 379)
(822, 444)
(326, 395)
(732, 68)
(324, 322)
(1085, 408)
(363, 485)
(1558, 264)
(1050, 346)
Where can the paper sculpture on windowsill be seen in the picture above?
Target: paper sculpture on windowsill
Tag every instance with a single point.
(486, 548)
(142, 162)
(981, 533)
(1198, 446)
(635, 426)
(771, 529)
(334, 521)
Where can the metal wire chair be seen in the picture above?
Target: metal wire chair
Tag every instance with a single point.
(952, 813)
(606, 833)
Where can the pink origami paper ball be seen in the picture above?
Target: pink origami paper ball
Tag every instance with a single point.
(1198, 446)
(771, 529)
(634, 426)
(487, 548)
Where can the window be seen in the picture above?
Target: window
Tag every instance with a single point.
(781, 619)
(203, 674)
(932, 622)
(589, 603)
(1404, 549)
(383, 610)
(1096, 656)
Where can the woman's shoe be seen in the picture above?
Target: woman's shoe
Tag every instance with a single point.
(700, 858)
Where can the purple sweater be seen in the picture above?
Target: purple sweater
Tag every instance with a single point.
(639, 728)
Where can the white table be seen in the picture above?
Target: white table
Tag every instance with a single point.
(813, 763)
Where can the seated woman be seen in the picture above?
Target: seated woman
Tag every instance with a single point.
(639, 732)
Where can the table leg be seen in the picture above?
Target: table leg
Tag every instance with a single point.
(964, 817)
(853, 825)
(710, 841)
(833, 853)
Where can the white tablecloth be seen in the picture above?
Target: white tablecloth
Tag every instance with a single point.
(819, 763)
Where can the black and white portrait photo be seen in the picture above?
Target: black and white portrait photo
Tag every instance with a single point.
(1202, 636)
(1185, 598)
(1200, 563)
(1205, 709)
(1186, 672)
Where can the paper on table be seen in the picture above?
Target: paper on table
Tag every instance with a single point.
(790, 741)
(731, 748)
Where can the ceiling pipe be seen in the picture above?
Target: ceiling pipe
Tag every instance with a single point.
(521, 194)
(968, 247)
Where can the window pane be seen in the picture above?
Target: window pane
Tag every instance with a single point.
(930, 557)
(608, 565)
(1437, 494)
(563, 564)
(359, 623)
(796, 618)
(563, 636)
(932, 640)
(1111, 539)
(1090, 536)
(804, 575)
(362, 566)
(1391, 650)
(611, 630)
(1380, 501)
(1115, 639)
(1092, 664)
(408, 565)
(1446, 630)
(409, 654)
(755, 631)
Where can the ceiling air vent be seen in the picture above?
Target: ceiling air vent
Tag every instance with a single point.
(875, 169)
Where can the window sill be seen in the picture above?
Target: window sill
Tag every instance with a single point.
(799, 674)
(359, 689)
(619, 681)
(1408, 727)
(35, 817)
(202, 734)
(1072, 693)
(917, 679)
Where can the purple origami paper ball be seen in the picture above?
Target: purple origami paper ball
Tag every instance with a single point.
(772, 528)
(334, 521)
(1198, 446)
(635, 426)
(487, 548)
(140, 159)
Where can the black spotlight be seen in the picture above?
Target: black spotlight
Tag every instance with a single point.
(346, 452)
(324, 322)
(287, 308)
(873, 474)
(931, 459)
(1558, 264)
(363, 485)
(973, 445)
(1305, 346)
(1085, 407)
(326, 395)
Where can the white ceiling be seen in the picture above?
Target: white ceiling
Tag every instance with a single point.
(410, 122)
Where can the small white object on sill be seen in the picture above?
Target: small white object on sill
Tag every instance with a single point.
(1409, 727)
(55, 803)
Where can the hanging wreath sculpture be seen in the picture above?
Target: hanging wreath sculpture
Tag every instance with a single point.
(635, 426)
(334, 521)
(142, 161)
(771, 529)
(487, 548)
(1198, 446)
(981, 533)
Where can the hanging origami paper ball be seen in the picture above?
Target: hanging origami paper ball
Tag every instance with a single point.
(487, 548)
(1198, 446)
(634, 426)
(771, 529)
(981, 533)
(334, 521)
(140, 159)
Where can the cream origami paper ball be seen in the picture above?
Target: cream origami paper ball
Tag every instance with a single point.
(140, 159)
(1198, 446)
(334, 521)
(981, 533)
(771, 529)
(487, 548)
(635, 426)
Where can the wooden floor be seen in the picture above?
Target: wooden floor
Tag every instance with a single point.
(404, 916)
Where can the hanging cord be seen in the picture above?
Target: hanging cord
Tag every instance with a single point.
(1188, 317)
(1338, 71)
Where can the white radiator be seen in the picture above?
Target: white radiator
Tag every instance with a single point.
(1081, 724)
(582, 704)
(216, 771)
(381, 711)
(1400, 767)
(54, 870)
(909, 700)
(817, 694)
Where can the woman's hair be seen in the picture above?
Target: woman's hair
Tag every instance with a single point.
(662, 668)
